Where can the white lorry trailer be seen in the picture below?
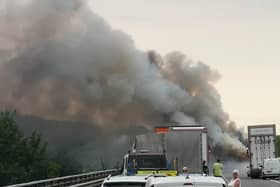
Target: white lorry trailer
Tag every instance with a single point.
(261, 146)
(186, 144)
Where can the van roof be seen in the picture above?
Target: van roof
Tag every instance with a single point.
(122, 178)
(271, 159)
(181, 180)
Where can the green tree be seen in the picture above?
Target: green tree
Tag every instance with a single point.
(10, 146)
(278, 146)
(54, 169)
(24, 159)
(68, 165)
(21, 159)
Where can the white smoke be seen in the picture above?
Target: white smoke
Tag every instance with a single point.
(61, 61)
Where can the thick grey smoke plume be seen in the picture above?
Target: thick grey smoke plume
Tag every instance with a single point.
(60, 61)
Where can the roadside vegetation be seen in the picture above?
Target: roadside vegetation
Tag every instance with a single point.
(24, 159)
(278, 145)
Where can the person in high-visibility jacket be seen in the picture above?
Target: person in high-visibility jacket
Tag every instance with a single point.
(218, 169)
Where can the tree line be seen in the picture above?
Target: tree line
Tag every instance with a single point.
(24, 159)
(278, 145)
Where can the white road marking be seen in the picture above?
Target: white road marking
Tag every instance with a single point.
(278, 182)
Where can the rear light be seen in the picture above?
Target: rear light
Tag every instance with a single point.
(161, 130)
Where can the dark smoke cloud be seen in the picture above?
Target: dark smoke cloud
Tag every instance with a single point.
(88, 144)
(60, 61)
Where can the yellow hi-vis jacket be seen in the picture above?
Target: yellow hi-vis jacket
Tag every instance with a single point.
(218, 169)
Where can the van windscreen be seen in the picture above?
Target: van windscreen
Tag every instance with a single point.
(149, 161)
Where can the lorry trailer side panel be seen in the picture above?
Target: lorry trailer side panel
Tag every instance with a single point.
(261, 146)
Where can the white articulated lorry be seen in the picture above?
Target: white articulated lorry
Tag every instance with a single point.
(261, 140)
(161, 155)
(167, 150)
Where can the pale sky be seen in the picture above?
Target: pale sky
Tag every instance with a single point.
(239, 38)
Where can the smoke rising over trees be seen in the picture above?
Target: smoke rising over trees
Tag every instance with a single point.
(60, 61)
(24, 159)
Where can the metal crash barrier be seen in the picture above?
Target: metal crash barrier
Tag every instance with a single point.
(85, 179)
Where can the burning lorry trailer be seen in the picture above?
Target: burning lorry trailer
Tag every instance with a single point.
(167, 150)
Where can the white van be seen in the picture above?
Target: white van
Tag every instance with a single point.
(182, 181)
(271, 168)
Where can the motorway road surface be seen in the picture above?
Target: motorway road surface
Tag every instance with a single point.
(248, 182)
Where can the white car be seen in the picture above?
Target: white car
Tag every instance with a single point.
(271, 167)
(125, 181)
(183, 181)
